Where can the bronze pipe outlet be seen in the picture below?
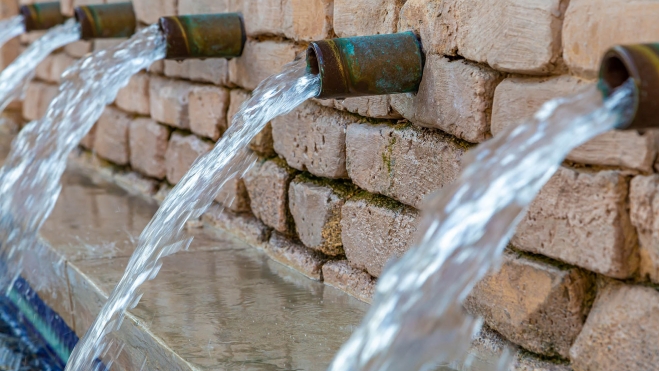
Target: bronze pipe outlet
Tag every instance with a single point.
(41, 16)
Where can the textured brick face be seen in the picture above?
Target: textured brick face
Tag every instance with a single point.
(260, 60)
(134, 97)
(111, 139)
(182, 152)
(644, 210)
(208, 111)
(148, 146)
(169, 101)
(365, 17)
(37, 99)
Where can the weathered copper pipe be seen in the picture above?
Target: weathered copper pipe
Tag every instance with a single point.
(106, 21)
(204, 36)
(41, 16)
(641, 63)
(367, 65)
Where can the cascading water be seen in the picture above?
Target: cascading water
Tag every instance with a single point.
(29, 179)
(416, 321)
(277, 95)
(15, 77)
(10, 28)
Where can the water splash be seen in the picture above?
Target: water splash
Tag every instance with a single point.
(416, 321)
(10, 28)
(277, 95)
(14, 78)
(30, 177)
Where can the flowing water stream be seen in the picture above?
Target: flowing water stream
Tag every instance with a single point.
(416, 321)
(10, 28)
(277, 95)
(14, 78)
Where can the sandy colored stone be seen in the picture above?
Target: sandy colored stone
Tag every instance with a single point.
(312, 138)
(581, 218)
(644, 207)
(61, 63)
(522, 36)
(233, 195)
(88, 141)
(168, 101)
(78, 49)
(267, 184)
(307, 20)
(366, 17)
(454, 96)
(378, 106)
(539, 306)
(103, 44)
(134, 97)
(148, 146)
(621, 331)
(405, 163)
(263, 17)
(259, 61)
(593, 26)
(37, 99)
(208, 110)
(111, 137)
(134, 182)
(296, 256)
(207, 6)
(44, 69)
(516, 100)
(262, 143)
(316, 209)
(340, 274)
(244, 226)
(182, 152)
(67, 6)
(8, 8)
(149, 11)
(213, 70)
(374, 230)
(9, 52)
(28, 38)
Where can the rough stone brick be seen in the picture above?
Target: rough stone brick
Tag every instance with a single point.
(593, 26)
(134, 97)
(233, 195)
(263, 17)
(148, 146)
(182, 152)
(405, 163)
(134, 182)
(28, 38)
(454, 96)
(61, 63)
(307, 20)
(213, 70)
(37, 99)
(244, 226)
(88, 141)
(340, 274)
(539, 306)
(44, 69)
(8, 8)
(312, 138)
(267, 185)
(316, 208)
(378, 106)
(208, 110)
(208, 6)
(78, 49)
(296, 256)
(111, 138)
(168, 100)
(365, 17)
(259, 61)
(9, 52)
(262, 143)
(644, 207)
(621, 331)
(517, 99)
(103, 44)
(581, 218)
(149, 11)
(514, 35)
(375, 229)
(67, 6)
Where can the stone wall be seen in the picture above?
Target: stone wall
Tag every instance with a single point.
(338, 185)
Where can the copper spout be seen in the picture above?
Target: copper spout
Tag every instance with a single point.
(106, 21)
(41, 16)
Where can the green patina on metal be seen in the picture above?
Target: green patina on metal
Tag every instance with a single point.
(106, 20)
(41, 16)
(204, 36)
(367, 65)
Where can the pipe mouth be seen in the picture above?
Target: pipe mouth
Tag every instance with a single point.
(106, 20)
(312, 61)
(41, 16)
(614, 71)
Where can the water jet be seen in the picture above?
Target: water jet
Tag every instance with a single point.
(367, 65)
(41, 16)
(204, 36)
(106, 20)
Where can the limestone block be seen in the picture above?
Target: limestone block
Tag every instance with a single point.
(78, 49)
(454, 96)
(514, 35)
(8, 8)
(148, 146)
(581, 218)
(539, 306)
(340, 274)
(296, 256)
(149, 11)
(134, 97)
(315, 205)
(61, 63)
(267, 185)
(593, 26)
(365, 17)
(620, 332)
(263, 17)
(374, 230)
(9, 52)
(233, 195)
(307, 20)
(403, 162)
(244, 226)
(44, 69)
(103, 44)
(67, 6)
(517, 99)
(111, 137)
(88, 141)
(168, 100)
(208, 110)
(182, 152)
(259, 61)
(212, 70)
(262, 143)
(28, 38)
(644, 206)
(37, 99)
(312, 138)
(208, 6)
(378, 106)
